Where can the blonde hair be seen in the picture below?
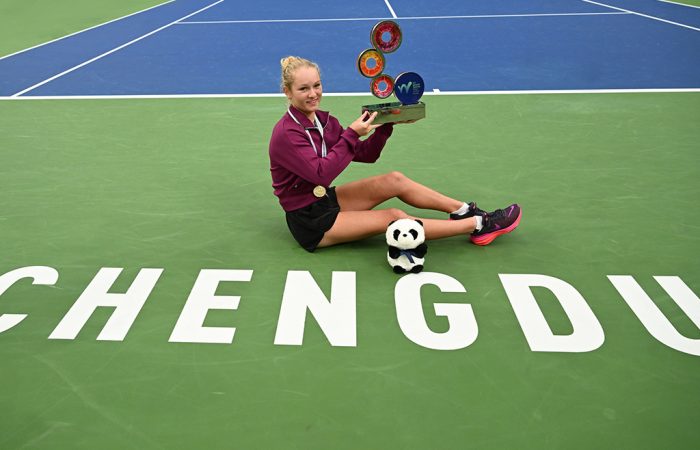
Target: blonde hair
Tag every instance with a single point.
(289, 65)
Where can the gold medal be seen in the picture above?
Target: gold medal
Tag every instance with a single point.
(319, 191)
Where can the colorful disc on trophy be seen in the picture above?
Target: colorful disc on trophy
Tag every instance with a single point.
(386, 36)
(382, 86)
(371, 63)
(408, 88)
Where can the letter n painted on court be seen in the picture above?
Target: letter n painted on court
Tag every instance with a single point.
(335, 317)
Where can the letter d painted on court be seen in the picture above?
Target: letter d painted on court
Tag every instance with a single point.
(588, 334)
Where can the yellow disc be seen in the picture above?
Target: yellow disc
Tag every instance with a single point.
(370, 63)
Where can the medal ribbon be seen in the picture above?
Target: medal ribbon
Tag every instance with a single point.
(318, 127)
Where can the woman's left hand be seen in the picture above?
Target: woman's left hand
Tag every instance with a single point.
(363, 125)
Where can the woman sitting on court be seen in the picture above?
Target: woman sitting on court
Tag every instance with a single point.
(309, 149)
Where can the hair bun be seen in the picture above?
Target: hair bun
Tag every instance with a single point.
(284, 62)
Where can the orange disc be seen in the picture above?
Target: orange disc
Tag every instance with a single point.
(370, 63)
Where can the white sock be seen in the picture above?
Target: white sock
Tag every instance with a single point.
(462, 210)
(479, 222)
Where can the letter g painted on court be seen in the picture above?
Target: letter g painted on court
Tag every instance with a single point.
(463, 328)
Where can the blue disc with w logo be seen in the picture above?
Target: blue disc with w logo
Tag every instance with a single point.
(408, 88)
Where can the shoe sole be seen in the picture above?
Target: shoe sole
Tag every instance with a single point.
(486, 239)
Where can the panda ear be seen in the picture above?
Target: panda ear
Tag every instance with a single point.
(391, 223)
(420, 222)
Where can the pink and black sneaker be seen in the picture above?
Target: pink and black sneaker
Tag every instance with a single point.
(496, 223)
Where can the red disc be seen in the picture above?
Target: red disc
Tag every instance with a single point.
(386, 36)
(382, 86)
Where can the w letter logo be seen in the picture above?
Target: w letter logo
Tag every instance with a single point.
(405, 88)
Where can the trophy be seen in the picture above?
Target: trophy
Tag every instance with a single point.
(408, 87)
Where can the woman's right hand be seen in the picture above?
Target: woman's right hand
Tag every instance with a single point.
(363, 125)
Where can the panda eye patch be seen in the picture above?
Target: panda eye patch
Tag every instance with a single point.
(396, 235)
(414, 233)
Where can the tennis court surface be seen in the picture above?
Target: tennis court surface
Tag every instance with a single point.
(151, 295)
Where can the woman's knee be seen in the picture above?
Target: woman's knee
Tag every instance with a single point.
(395, 178)
(394, 183)
(395, 214)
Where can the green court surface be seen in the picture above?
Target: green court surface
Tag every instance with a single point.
(608, 184)
(688, 2)
(25, 23)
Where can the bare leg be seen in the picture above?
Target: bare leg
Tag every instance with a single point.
(438, 229)
(355, 225)
(357, 220)
(365, 194)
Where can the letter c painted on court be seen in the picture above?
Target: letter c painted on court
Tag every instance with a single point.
(39, 275)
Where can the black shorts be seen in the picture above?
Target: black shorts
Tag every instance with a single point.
(310, 223)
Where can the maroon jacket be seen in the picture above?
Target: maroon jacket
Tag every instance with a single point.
(296, 169)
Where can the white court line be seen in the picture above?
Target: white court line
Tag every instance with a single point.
(498, 16)
(436, 92)
(644, 15)
(485, 16)
(111, 51)
(567, 91)
(212, 22)
(680, 4)
(391, 10)
(82, 31)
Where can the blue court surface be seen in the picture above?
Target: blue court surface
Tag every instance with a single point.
(196, 47)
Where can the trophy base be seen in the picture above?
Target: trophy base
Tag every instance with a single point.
(396, 112)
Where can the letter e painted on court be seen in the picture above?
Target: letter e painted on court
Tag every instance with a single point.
(651, 316)
(335, 317)
(126, 305)
(588, 334)
(463, 329)
(190, 326)
(39, 274)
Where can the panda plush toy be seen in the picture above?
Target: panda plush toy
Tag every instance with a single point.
(407, 247)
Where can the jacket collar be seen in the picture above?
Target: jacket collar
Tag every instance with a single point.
(305, 122)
